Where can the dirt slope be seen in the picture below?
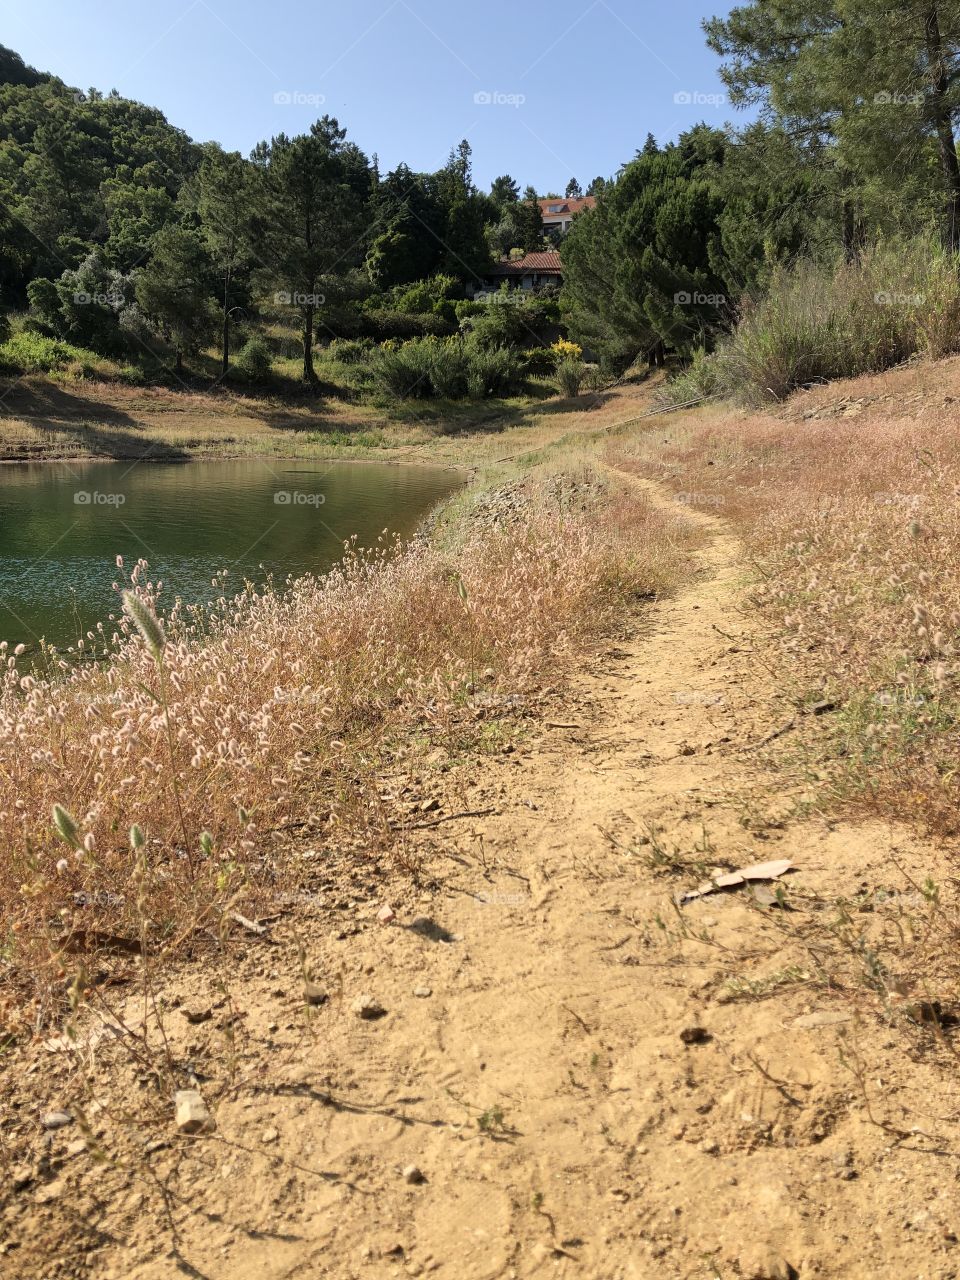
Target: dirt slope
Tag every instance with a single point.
(591, 1081)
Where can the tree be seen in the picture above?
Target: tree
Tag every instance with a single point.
(574, 191)
(224, 202)
(596, 187)
(410, 220)
(84, 306)
(465, 251)
(531, 221)
(505, 191)
(173, 290)
(311, 220)
(640, 269)
(650, 146)
(508, 233)
(876, 86)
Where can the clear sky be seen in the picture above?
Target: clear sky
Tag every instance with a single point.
(543, 91)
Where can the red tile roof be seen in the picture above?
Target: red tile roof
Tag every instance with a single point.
(543, 263)
(567, 207)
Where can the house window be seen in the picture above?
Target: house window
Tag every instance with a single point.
(555, 208)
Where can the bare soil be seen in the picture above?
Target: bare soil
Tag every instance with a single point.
(591, 1079)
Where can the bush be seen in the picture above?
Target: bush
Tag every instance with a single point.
(446, 369)
(31, 352)
(449, 369)
(382, 324)
(466, 307)
(540, 362)
(817, 322)
(494, 372)
(404, 372)
(570, 375)
(436, 296)
(253, 360)
(701, 379)
(351, 350)
(564, 350)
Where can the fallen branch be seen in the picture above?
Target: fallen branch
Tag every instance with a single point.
(449, 817)
(769, 737)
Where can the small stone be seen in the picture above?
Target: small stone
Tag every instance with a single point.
(386, 914)
(423, 993)
(196, 1016)
(710, 1147)
(77, 1147)
(413, 1174)
(56, 1119)
(270, 1135)
(430, 806)
(695, 1035)
(191, 1112)
(368, 1008)
(314, 995)
(21, 1178)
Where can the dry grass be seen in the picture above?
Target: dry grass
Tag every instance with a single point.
(180, 768)
(848, 505)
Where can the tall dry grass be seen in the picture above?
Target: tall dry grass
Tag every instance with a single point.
(853, 526)
(821, 321)
(178, 762)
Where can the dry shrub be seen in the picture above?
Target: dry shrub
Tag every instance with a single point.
(267, 709)
(822, 321)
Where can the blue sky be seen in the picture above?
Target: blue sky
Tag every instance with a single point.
(542, 91)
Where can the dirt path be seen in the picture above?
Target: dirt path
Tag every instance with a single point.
(583, 1074)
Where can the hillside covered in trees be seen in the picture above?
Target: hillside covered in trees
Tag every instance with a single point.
(120, 233)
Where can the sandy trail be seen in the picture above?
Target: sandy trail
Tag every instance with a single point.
(563, 1123)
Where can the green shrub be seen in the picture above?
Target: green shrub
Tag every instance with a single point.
(351, 350)
(32, 352)
(540, 362)
(466, 307)
(700, 380)
(495, 372)
(404, 372)
(253, 360)
(446, 369)
(381, 324)
(570, 375)
(449, 369)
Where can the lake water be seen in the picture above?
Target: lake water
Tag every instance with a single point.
(62, 525)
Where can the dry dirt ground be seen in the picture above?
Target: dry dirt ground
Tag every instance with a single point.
(591, 1080)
